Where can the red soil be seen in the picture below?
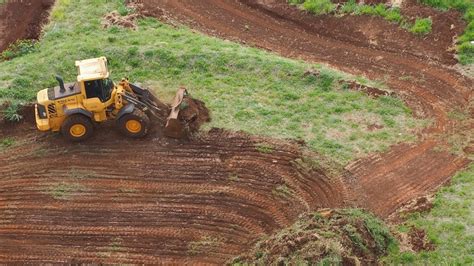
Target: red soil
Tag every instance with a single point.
(22, 20)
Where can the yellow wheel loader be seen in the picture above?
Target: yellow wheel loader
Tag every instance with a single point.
(74, 108)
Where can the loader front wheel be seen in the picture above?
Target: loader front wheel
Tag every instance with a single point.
(134, 124)
(77, 128)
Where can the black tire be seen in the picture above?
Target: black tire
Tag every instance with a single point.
(133, 131)
(68, 128)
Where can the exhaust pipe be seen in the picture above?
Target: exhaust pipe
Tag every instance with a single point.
(61, 84)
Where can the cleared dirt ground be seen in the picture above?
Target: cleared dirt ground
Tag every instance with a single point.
(137, 201)
(209, 199)
(22, 20)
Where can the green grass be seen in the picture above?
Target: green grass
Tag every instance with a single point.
(18, 48)
(421, 26)
(245, 88)
(319, 7)
(6, 143)
(10, 113)
(264, 148)
(64, 191)
(450, 225)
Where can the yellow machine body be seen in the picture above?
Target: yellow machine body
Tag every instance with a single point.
(55, 103)
(73, 108)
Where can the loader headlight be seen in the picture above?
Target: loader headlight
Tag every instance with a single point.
(41, 111)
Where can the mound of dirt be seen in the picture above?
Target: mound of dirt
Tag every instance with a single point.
(371, 91)
(115, 19)
(22, 20)
(419, 240)
(348, 237)
(195, 114)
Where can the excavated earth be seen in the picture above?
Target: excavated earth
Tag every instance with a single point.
(22, 19)
(114, 200)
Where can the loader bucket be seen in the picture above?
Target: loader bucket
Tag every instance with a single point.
(175, 128)
(186, 115)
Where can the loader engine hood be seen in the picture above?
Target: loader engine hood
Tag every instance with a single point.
(42, 97)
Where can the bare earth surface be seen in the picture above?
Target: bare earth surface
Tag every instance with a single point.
(22, 20)
(207, 200)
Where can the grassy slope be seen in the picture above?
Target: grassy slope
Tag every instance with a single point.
(246, 89)
(450, 225)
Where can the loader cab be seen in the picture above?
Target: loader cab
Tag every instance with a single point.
(99, 88)
(94, 78)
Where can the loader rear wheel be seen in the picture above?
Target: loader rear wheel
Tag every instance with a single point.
(77, 128)
(134, 124)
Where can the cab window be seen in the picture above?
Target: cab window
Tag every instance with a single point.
(101, 88)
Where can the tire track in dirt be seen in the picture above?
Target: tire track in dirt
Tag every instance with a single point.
(141, 201)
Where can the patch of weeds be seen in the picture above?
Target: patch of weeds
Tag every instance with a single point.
(17, 49)
(6, 143)
(233, 177)
(63, 190)
(116, 245)
(355, 237)
(79, 174)
(264, 148)
(326, 81)
(319, 7)
(11, 113)
(203, 245)
(422, 26)
(123, 10)
(282, 191)
(458, 114)
(405, 78)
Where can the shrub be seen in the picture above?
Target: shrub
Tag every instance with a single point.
(319, 7)
(349, 7)
(11, 113)
(422, 26)
(394, 15)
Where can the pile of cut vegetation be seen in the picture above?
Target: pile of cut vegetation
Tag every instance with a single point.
(347, 236)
